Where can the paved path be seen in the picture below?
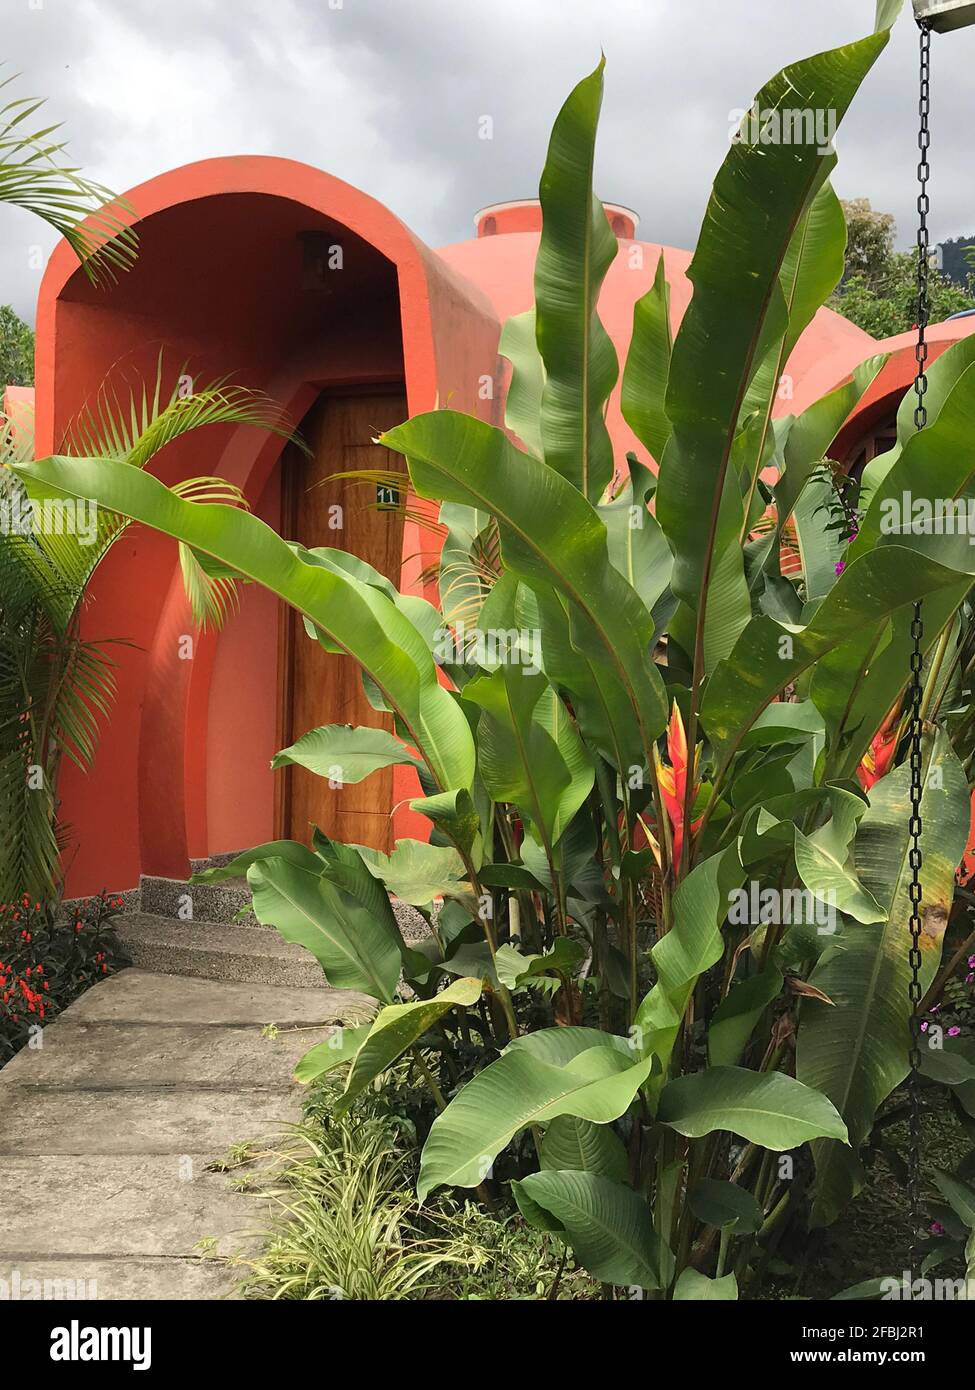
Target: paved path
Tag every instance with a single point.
(106, 1130)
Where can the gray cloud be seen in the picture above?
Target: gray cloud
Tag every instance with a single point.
(388, 94)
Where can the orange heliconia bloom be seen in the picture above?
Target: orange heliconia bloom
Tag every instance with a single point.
(672, 781)
(876, 762)
(966, 869)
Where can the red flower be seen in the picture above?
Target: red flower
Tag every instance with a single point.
(966, 869)
(672, 781)
(878, 758)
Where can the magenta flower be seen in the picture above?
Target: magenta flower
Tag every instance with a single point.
(839, 567)
(970, 979)
(953, 1032)
(937, 1229)
(971, 961)
(925, 1026)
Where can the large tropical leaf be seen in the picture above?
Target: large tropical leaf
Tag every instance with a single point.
(355, 949)
(529, 753)
(606, 1225)
(760, 196)
(643, 395)
(574, 253)
(398, 1027)
(766, 1108)
(692, 1286)
(517, 1090)
(552, 538)
(355, 617)
(416, 872)
(693, 944)
(856, 1052)
(585, 1147)
(523, 402)
(337, 1050)
(345, 754)
(770, 654)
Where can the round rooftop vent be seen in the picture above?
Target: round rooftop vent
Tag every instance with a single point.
(525, 215)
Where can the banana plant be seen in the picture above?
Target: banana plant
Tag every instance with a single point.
(652, 863)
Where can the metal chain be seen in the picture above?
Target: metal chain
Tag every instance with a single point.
(917, 634)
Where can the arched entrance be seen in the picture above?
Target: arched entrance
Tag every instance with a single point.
(295, 284)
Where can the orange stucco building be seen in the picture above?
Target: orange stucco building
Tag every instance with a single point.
(299, 285)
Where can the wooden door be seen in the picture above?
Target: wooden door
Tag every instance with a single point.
(317, 686)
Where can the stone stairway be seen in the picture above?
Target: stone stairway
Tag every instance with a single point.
(179, 928)
(204, 930)
(110, 1124)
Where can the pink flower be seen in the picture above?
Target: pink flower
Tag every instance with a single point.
(937, 1229)
(839, 567)
(953, 1032)
(925, 1026)
(970, 979)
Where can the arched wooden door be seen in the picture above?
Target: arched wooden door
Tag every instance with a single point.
(318, 687)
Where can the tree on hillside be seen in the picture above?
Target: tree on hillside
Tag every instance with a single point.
(16, 350)
(878, 291)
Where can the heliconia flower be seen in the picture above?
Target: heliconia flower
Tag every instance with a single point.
(879, 756)
(966, 869)
(672, 781)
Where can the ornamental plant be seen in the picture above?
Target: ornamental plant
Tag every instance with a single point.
(664, 986)
(47, 958)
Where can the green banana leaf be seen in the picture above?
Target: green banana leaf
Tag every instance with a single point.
(574, 253)
(518, 1090)
(606, 1225)
(353, 615)
(551, 536)
(856, 1053)
(345, 754)
(397, 1028)
(760, 196)
(571, 1144)
(523, 402)
(355, 949)
(643, 394)
(766, 1108)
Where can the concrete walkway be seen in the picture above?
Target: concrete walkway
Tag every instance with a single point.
(107, 1128)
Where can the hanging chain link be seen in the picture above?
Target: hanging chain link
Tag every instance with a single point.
(917, 634)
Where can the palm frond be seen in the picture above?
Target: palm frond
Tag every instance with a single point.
(35, 175)
(135, 427)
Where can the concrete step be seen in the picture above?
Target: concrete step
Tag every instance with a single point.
(140, 997)
(196, 902)
(216, 951)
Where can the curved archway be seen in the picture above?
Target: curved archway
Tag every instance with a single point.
(294, 283)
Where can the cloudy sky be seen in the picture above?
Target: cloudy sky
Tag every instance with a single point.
(390, 95)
